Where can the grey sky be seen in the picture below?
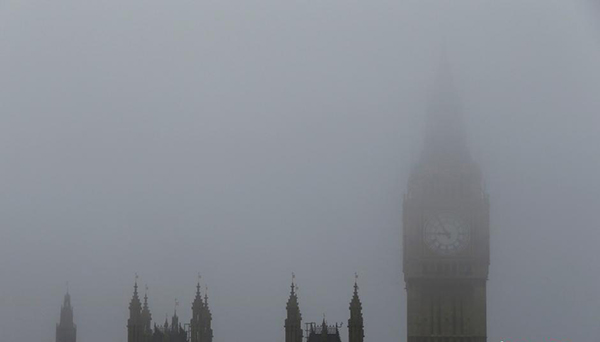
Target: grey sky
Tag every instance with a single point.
(249, 139)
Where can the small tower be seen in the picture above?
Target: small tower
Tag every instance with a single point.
(146, 317)
(66, 330)
(293, 322)
(135, 326)
(208, 332)
(201, 323)
(197, 322)
(175, 320)
(356, 332)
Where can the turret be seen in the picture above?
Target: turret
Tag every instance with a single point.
(175, 319)
(66, 331)
(135, 326)
(356, 331)
(293, 322)
(208, 332)
(197, 322)
(146, 317)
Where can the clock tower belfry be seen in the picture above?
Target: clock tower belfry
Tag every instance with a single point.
(446, 230)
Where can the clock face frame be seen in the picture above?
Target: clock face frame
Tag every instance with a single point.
(446, 233)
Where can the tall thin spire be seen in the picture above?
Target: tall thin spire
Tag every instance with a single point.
(197, 321)
(66, 330)
(201, 322)
(135, 325)
(146, 315)
(293, 322)
(356, 331)
(208, 332)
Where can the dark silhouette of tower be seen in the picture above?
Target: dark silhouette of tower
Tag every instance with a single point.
(446, 230)
(293, 322)
(356, 331)
(146, 318)
(135, 323)
(197, 322)
(66, 330)
(208, 332)
(201, 323)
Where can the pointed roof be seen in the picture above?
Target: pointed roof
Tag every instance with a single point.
(66, 312)
(198, 304)
(293, 309)
(175, 318)
(135, 306)
(67, 300)
(146, 315)
(445, 134)
(206, 307)
(293, 299)
(355, 304)
(145, 307)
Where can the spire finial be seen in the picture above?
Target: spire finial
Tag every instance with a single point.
(198, 285)
(176, 305)
(135, 286)
(205, 294)
(355, 282)
(293, 286)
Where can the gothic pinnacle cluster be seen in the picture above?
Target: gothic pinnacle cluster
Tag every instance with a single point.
(140, 329)
(322, 332)
(66, 330)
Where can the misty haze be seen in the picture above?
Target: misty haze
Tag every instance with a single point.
(248, 140)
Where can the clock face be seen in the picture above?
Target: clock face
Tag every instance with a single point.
(446, 233)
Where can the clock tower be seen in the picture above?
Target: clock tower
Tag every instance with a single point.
(446, 230)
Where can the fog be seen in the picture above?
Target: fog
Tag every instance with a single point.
(247, 140)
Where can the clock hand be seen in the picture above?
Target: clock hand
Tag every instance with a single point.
(446, 231)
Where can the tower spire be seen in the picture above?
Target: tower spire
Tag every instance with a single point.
(135, 326)
(66, 330)
(293, 322)
(445, 136)
(208, 332)
(445, 168)
(146, 315)
(356, 331)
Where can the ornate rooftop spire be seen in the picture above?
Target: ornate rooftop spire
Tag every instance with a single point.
(66, 330)
(146, 315)
(135, 306)
(293, 328)
(206, 297)
(355, 323)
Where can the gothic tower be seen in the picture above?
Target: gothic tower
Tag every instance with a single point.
(356, 332)
(66, 330)
(201, 322)
(446, 231)
(293, 322)
(197, 322)
(135, 323)
(146, 318)
(208, 332)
